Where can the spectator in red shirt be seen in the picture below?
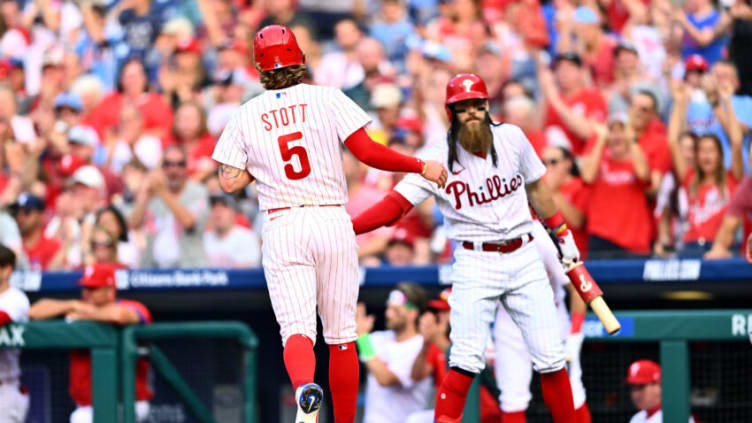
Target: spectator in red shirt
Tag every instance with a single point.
(651, 134)
(190, 131)
(132, 88)
(43, 253)
(570, 104)
(98, 303)
(570, 194)
(618, 219)
(707, 184)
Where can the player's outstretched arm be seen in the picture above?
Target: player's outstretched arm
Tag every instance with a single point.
(232, 179)
(387, 211)
(376, 155)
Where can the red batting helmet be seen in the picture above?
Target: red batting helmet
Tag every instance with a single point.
(275, 47)
(465, 86)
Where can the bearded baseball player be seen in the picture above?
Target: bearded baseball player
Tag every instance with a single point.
(290, 141)
(494, 172)
(514, 364)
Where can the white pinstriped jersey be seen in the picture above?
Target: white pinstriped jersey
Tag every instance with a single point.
(481, 202)
(14, 303)
(290, 140)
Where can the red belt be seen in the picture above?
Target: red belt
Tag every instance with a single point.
(504, 247)
(270, 211)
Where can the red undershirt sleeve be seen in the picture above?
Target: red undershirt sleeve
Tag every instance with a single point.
(376, 155)
(4, 318)
(384, 213)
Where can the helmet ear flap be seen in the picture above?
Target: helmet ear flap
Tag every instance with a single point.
(448, 112)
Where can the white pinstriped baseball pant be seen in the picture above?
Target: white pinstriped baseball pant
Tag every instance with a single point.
(513, 369)
(518, 280)
(310, 261)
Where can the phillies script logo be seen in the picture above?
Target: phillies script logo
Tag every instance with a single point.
(495, 188)
(585, 284)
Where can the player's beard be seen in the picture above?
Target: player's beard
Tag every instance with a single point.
(475, 136)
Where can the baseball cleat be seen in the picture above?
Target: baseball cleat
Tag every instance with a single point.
(308, 397)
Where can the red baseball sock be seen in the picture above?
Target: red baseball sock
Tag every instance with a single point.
(557, 394)
(514, 417)
(343, 381)
(450, 399)
(583, 414)
(299, 360)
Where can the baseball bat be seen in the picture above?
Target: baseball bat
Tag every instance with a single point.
(591, 293)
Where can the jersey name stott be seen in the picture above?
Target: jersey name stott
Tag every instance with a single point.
(284, 116)
(497, 188)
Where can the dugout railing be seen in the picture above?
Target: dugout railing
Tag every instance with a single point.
(233, 330)
(114, 351)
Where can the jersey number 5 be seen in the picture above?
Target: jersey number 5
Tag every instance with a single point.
(289, 152)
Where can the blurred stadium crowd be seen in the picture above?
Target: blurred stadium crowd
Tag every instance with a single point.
(109, 111)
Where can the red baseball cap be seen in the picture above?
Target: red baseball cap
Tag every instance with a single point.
(69, 164)
(642, 372)
(410, 123)
(402, 236)
(188, 45)
(98, 276)
(441, 303)
(695, 63)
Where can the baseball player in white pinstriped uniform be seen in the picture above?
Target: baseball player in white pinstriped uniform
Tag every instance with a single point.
(513, 368)
(494, 172)
(290, 140)
(14, 307)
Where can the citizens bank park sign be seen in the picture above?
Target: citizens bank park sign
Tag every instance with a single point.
(127, 279)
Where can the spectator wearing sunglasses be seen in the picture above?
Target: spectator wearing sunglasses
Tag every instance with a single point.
(127, 243)
(173, 210)
(103, 247)
(570, 194)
